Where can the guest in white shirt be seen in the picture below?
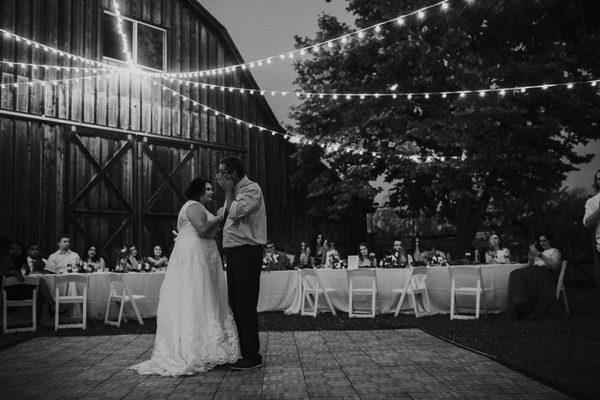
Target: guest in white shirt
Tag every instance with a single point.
(64, 258)
(591, 219)
(496, 253)
(158, 260)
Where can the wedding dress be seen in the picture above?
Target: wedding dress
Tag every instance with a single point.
(195, 329)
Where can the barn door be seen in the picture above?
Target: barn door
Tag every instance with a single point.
(100, 204)
(165, 171)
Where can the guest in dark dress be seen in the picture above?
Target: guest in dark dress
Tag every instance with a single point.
(531, 290)
(13, 264)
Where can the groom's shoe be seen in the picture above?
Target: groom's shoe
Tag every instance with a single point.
(244, 364)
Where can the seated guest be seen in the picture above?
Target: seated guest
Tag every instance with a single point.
(13, 264)
(13, 260)
(531, 290)
(331, 255)
(496, 253)
(319, 250)
(34, 263)
(158, 260)
(275, 259)
(400, 255)
(122, 264)
(64, 258)
(303, 258)
(365, 258)
(134, 259)
(93, 259)
(435, 257)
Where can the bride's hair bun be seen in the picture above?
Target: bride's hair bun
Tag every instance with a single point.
(196, 188)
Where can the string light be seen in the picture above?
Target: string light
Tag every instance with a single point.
(343, 39)
(55, 51)
(122, 32)
(408, 95)
(48, 67)
(55, 81)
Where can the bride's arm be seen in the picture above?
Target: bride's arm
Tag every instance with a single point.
(199, 219)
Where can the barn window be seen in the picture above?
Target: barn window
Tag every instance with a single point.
(147, 43)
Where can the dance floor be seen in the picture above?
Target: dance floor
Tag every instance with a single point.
(390, 364)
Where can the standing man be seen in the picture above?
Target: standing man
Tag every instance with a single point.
(591, 220)
(244, 235)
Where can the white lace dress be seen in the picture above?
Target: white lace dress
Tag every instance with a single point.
(194, 325)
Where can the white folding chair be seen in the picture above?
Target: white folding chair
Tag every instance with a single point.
(560, 287)
(120, 293)
(354, 277)
(312, 287)
(466, 275)
(12, 282)
(68, 282)
(352, 262)
(416, 287)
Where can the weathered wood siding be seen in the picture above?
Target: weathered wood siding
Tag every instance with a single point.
(106, 161)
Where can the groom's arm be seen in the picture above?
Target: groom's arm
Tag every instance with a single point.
(248, 200)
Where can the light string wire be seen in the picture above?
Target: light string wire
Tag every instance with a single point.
(328, 147)
(47, 67)
(409, 95)
(56, 81)
(400, 20)
(122, 32)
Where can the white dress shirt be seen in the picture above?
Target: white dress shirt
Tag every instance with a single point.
(57, 262)
(246, 222)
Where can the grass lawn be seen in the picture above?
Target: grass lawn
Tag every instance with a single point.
(563, 351)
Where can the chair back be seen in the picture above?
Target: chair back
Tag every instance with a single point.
(418, 277)
(561, 278)
(353, 274)
(77, 279)
(13, 281)
(308, 278)
(467, 274)
(117, 284)
(352, 262)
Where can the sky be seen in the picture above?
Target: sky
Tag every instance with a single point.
(262, 28)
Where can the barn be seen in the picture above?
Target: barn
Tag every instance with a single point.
(106, 156)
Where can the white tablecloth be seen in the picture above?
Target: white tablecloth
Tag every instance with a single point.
(495, 283)
(280, 290)
(147, 284)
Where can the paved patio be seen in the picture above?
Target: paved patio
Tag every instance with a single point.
(391, 364)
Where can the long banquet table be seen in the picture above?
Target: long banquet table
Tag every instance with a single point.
(281, 291)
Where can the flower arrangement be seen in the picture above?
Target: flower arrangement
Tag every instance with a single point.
(274, 261)
(436, 260)
(334, 261)
(393, 261)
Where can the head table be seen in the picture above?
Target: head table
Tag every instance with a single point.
(281, 290)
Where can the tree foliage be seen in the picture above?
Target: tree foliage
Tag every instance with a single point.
(516, 148)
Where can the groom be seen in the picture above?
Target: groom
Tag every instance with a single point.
(244, 235)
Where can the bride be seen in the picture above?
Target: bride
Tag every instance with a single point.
(195, 330)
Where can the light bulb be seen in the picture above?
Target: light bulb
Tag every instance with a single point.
(361, 34)
(421, 14)
(400, 21)
(378, 28)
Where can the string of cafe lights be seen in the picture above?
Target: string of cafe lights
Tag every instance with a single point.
(315, 48)
(49, 67)
(50, 49)
(406, 95)
(329, 147)
(122, 32)
(55, 82)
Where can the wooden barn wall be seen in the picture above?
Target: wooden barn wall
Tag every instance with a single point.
(43, 164)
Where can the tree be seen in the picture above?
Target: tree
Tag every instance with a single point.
(515, 148)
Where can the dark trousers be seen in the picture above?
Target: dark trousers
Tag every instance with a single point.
(244, 264)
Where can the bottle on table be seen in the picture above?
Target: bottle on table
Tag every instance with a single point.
(477, 259)
(417, 256)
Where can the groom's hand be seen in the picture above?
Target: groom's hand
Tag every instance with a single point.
(225, 183)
